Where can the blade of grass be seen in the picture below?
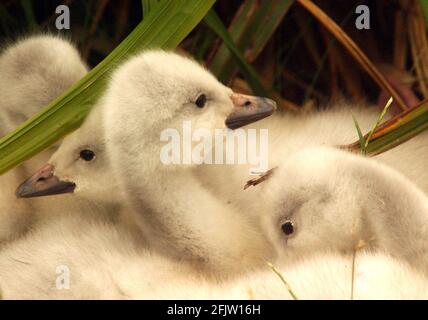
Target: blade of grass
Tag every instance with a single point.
(251, 29)
(378, 121)
(281, 277)
(424, 6)
(330, 48)
(353, 49)
(29, 14)
(214, 22)
(364, 141)
(417, 38)
(267, 22)
(165, 27)
(202, 43)
(222, 62)
(360, 135)
(394, 132)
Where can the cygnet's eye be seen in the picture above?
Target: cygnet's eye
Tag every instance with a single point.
(201, 100)
(87, 155)
(288, 227)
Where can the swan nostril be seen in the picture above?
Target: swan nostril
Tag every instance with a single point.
(247, 103)
(41, 179)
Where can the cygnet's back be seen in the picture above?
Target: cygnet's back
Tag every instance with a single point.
(72, 259)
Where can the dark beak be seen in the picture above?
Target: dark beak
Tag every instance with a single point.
(44, 183)
(249, 109)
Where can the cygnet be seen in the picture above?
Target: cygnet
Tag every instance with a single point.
(322, 198)
(69, 258)
(116, 157)
(34, 71)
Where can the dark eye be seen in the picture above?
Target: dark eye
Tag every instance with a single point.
(201, 100)
(87, 155)
(287, 227)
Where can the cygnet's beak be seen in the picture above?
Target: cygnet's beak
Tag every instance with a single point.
(248, 109)
(44, 183)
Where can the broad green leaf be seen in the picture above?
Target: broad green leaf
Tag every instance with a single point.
(148, 6)
(214, 22)
(165, 27)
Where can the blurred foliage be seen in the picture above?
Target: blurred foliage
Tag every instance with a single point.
(296, 58)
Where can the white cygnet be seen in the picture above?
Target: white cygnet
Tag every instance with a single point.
(116, 157)
(34, 71)
(69, 258)
(327, 199)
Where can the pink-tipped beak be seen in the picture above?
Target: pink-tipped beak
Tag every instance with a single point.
(249, 109)
(44, 183)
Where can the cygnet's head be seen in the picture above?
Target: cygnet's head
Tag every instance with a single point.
(158, 91)
(80, 166)
(310, 207)
(34, 71)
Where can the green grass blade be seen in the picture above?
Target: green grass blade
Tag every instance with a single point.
(267, 21)
(424, 5)
(214, 22)
(165, 27)
(29, 14)
(222, 64)
(408, 125)
(396, 131)
(378, 121)
(282, 278)
(360, 135)
(202, 43)
(251, 29)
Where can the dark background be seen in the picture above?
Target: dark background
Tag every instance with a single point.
(302, 63)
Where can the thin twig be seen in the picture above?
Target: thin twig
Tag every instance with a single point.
(259, 179)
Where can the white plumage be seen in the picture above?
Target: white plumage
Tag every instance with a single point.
(178, 217)
(288, 134)
(33, 71)
(103, 262)
(198, 216)
(339, 201)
